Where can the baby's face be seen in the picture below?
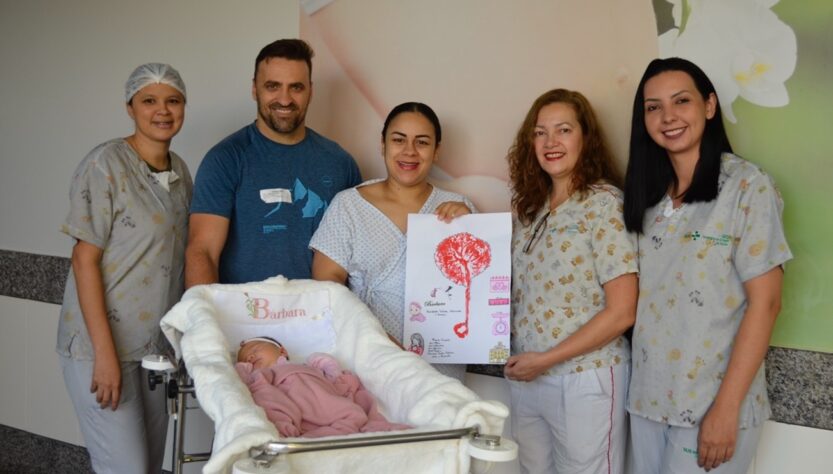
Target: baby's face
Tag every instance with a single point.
(260, 354)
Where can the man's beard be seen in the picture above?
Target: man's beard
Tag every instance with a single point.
(282, 125)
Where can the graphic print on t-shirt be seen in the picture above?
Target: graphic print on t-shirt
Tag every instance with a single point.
(313, 204)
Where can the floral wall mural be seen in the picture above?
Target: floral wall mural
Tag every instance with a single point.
(768, 60)
(480, 63)
(742, 45)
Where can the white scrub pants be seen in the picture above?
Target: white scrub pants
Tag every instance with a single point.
(658, 448)
(130, 439)
(572, 424)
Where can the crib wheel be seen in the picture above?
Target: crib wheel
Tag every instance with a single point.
(492, 448)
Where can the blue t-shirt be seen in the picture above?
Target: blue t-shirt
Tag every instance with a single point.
(274, 196)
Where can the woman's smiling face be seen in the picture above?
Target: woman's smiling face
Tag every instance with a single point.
(676, 113)
(158, 111)
(558, 140)
(410, 148)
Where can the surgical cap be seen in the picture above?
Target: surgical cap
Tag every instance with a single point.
(152, 73)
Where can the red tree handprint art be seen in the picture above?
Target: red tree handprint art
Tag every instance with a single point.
(461, 257)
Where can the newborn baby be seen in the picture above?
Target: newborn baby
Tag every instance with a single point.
(310, 400)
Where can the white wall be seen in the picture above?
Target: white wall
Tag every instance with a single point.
(32, 395)
(64, 65)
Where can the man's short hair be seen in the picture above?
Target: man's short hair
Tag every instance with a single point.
(288, 48)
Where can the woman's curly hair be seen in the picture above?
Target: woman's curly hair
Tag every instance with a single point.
(531, 185)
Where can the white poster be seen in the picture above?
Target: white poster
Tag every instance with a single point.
(457, 288)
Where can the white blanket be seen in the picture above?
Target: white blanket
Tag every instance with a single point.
(408, 389)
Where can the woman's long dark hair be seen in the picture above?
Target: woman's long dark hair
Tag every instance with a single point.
(649, 173)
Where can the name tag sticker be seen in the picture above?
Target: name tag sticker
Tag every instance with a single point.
(270, 196)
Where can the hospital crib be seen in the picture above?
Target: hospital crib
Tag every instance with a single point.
(452, 424)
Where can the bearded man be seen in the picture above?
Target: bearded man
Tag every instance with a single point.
(260, 193)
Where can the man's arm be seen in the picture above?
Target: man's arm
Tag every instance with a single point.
(206, 238)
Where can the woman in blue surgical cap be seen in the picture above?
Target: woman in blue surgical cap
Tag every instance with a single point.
(128, 213)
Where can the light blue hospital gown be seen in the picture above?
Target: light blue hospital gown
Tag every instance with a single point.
(371, 248)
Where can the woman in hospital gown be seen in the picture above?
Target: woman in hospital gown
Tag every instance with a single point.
(362, 238)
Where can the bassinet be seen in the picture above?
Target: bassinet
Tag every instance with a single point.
(309, 316)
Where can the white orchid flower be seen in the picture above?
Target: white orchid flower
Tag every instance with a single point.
(745, 49)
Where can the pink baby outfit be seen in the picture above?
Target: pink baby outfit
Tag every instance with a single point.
(313, 400)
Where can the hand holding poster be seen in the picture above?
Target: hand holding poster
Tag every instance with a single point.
(457, 288)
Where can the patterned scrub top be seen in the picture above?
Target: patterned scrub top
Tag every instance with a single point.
(370, 247)
(558, 287)
(694, 261)
(119, 205)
